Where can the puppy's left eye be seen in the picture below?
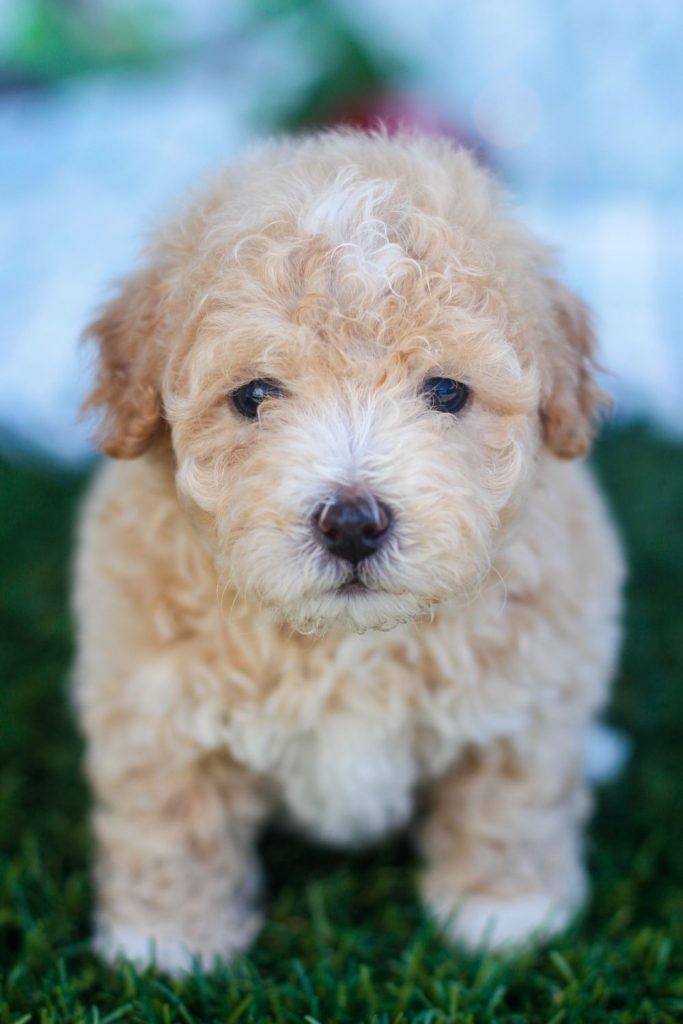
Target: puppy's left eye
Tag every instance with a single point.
(247, 399)
(445, 395)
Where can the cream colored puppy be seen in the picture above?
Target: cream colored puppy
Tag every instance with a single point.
(342, 557)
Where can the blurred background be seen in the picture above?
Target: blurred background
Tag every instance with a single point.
(110, 108)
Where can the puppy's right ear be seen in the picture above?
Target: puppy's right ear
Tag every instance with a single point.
(571, 408)
(128, 381)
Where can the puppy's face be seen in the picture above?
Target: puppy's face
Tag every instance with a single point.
(358, 378)
(353, 472)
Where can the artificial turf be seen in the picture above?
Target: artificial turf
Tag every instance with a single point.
(345, 939)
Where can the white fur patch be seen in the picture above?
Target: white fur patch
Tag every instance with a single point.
(350, 213)
(172, 956)
(346, 209)
(505, 924)
(347, 781)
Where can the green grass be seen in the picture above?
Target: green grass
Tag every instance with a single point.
(344, 939)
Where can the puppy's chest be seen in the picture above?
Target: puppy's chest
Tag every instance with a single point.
(345, 744)
(344, 766)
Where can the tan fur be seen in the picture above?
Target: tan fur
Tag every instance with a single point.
(221, 676)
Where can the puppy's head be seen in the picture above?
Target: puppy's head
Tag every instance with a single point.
(358, 360)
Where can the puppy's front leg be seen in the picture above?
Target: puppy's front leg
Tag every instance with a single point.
(176, 872)
(502, 840)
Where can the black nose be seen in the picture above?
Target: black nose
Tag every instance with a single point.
(352, 526)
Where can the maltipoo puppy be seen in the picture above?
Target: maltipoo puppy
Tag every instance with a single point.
(344, 556)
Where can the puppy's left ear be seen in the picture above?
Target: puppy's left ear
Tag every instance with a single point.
(129, 366)
(570, 410)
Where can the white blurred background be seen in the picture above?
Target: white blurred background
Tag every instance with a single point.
(110, 108)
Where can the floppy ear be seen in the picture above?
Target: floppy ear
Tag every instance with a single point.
(127, 388)
(570, 410)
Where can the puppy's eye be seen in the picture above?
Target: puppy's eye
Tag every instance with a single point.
(445, 395)
(248, 398)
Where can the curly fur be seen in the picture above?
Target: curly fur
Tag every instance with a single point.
(222, 675)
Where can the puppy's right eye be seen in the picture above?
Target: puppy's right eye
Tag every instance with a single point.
(445, 395)
(248, 398)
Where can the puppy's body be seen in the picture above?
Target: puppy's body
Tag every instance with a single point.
(230, 668)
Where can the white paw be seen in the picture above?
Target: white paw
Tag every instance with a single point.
(507, 924)
(112, 944)
(174, 956)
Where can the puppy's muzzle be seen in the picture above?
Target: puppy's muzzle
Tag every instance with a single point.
(352, 525)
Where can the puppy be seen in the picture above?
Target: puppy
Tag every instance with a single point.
(344, 555)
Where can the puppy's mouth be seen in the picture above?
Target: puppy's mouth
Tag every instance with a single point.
(354, 585)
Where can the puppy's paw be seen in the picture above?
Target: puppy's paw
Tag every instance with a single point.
(112, 944)
(504, 924)
(174, 956)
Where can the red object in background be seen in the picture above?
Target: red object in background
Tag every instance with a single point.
(395, 111)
